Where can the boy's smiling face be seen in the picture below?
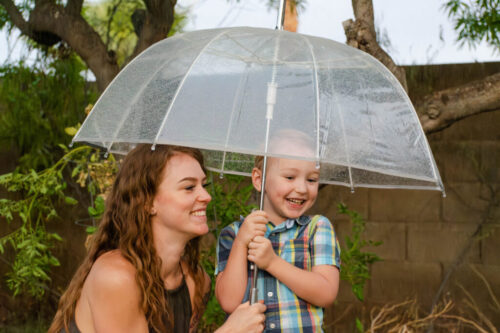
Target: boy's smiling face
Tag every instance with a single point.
(291, 188)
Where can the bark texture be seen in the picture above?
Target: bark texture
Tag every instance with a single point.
(361, 35)
(442, 108)
(439, 109)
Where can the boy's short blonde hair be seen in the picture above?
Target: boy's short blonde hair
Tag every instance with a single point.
(297, 138)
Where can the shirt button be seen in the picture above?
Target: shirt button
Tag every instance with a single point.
(270, 294)
(272, 325)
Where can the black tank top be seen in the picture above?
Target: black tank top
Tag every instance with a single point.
(179, 301)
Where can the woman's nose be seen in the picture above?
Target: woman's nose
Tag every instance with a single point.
(204, 196)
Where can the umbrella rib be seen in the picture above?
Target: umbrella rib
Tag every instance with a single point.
(316, 87)
(108, 147)
(182, 84)
(242, 58)
(396, 83)
(384, 72)
(241, 83)
(342, 125)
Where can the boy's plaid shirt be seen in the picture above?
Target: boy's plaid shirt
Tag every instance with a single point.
(301, 243)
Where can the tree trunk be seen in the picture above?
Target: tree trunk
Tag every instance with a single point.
(156, 24)
(291, 20)
(439, 109)
(361, 35)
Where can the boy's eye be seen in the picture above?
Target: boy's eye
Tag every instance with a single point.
(312, 180)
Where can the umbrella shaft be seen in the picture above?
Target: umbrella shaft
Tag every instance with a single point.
(281, 15)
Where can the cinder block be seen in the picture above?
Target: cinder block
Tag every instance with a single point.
(490, 248)
(463, 203)
(483, 126)
(345, 293)
(392, 236)
(458, 161)
(342, 229)
(490, 161)
(330, 196)
(394, 281)
(441, 242)
(404, 205)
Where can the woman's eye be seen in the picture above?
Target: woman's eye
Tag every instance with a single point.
(289, 177)
(206, 185)
(189, 188)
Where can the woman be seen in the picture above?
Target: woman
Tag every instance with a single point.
(141, 272)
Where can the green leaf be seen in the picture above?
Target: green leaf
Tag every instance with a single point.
(70, 131)
(55, 236)
(359, 325)
(90, 230)
(70, 201)
(92, 211)
(100, 204)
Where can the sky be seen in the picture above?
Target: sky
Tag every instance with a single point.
(419, 31)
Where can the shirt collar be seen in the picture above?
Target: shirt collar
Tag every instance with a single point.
(288, 224)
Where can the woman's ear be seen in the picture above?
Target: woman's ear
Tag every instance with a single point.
(257, 178)
(151, 209)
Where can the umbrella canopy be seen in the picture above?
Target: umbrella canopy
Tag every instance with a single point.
(213, 89)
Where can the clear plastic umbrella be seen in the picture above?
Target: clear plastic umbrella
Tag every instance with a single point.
(229, 91)
(240, 92)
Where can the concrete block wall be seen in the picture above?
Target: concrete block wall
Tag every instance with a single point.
(425, 235)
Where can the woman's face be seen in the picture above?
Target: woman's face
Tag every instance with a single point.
(181, 199)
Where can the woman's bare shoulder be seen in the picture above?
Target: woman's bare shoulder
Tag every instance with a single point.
(112, 272)
(112, 297)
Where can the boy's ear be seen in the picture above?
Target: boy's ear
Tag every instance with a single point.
(257, 178)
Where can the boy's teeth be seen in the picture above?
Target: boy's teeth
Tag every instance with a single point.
(199, 213)
(296, 201)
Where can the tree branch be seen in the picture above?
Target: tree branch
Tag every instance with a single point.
(361, 35)
(48, 17)
(440, 109)
(16, 17)
(156, 24)
(74, 7)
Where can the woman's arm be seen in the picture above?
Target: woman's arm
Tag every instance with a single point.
(112, 296)
(245, 319)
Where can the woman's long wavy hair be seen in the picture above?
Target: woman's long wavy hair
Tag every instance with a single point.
(126, 226)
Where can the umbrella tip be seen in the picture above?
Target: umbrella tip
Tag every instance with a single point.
(352, 189)
(71, 144)
(317, 165)
(221, 175)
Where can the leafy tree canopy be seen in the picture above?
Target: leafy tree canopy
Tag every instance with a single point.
(476, 21)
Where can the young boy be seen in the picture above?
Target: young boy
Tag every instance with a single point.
(297, 255)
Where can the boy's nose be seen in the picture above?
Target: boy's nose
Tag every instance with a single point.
(300, 187)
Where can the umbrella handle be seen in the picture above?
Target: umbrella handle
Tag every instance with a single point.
(255, 272)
